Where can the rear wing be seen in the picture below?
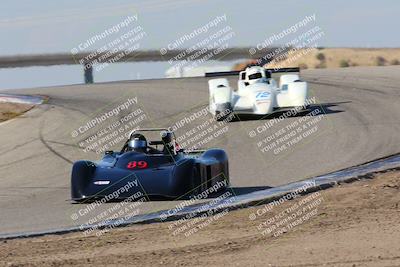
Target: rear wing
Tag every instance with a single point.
(236, 72)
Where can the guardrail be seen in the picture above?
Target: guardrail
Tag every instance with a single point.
(18, 61)
(233, 73)
(86, 59)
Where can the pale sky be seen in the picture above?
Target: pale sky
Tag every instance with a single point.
(51, 26)
(57, 26)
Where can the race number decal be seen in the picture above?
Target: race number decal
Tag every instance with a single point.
(262, 95)
(137, 164)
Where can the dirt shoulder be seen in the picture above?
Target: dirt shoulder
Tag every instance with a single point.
(12, 110)
(334, 58)
(353, 224)
(339, 57)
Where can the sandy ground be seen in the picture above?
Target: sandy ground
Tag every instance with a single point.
(335, 57)
(11, 110)
(349, 225)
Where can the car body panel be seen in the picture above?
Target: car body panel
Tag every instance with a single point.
(260, 97)
(160, 174)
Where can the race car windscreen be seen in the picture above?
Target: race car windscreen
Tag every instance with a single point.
(255, 76)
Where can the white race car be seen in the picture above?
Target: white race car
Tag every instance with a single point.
(257, 92)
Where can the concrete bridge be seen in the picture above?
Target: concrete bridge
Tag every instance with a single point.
(90, 58)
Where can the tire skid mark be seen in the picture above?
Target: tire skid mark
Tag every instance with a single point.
(19, 160)
(44, 142)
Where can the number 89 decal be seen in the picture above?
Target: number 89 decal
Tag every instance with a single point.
(137, 164)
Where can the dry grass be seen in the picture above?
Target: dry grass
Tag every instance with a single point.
(12, 110)
(334, 58)
(340, 57)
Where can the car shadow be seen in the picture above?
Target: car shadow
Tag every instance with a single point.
(234, 191)
(317, 109)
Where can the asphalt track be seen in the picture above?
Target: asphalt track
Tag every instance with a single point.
(361, 118)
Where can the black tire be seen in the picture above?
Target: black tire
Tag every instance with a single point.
(219, 117)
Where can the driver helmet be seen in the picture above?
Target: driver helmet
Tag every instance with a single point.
(254, 74)
(166, 137)
(138, 143)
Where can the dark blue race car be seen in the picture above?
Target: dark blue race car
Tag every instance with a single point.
(154, 169)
